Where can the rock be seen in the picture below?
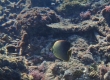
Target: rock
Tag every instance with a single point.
(107, 76)
(87, 59)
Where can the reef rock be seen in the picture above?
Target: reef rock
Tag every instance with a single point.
(34, 21)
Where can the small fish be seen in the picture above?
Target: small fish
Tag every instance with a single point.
(61, 50)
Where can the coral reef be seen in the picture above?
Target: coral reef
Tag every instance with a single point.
(29, 28)
(68, 8)
(64, 69)
(12, 68)
(36, 19)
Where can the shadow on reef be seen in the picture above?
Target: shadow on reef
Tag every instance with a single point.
(41, 3)
(106, 14)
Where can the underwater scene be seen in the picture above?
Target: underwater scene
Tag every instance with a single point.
(54, 39)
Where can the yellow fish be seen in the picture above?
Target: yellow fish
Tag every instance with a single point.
(61, 50)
